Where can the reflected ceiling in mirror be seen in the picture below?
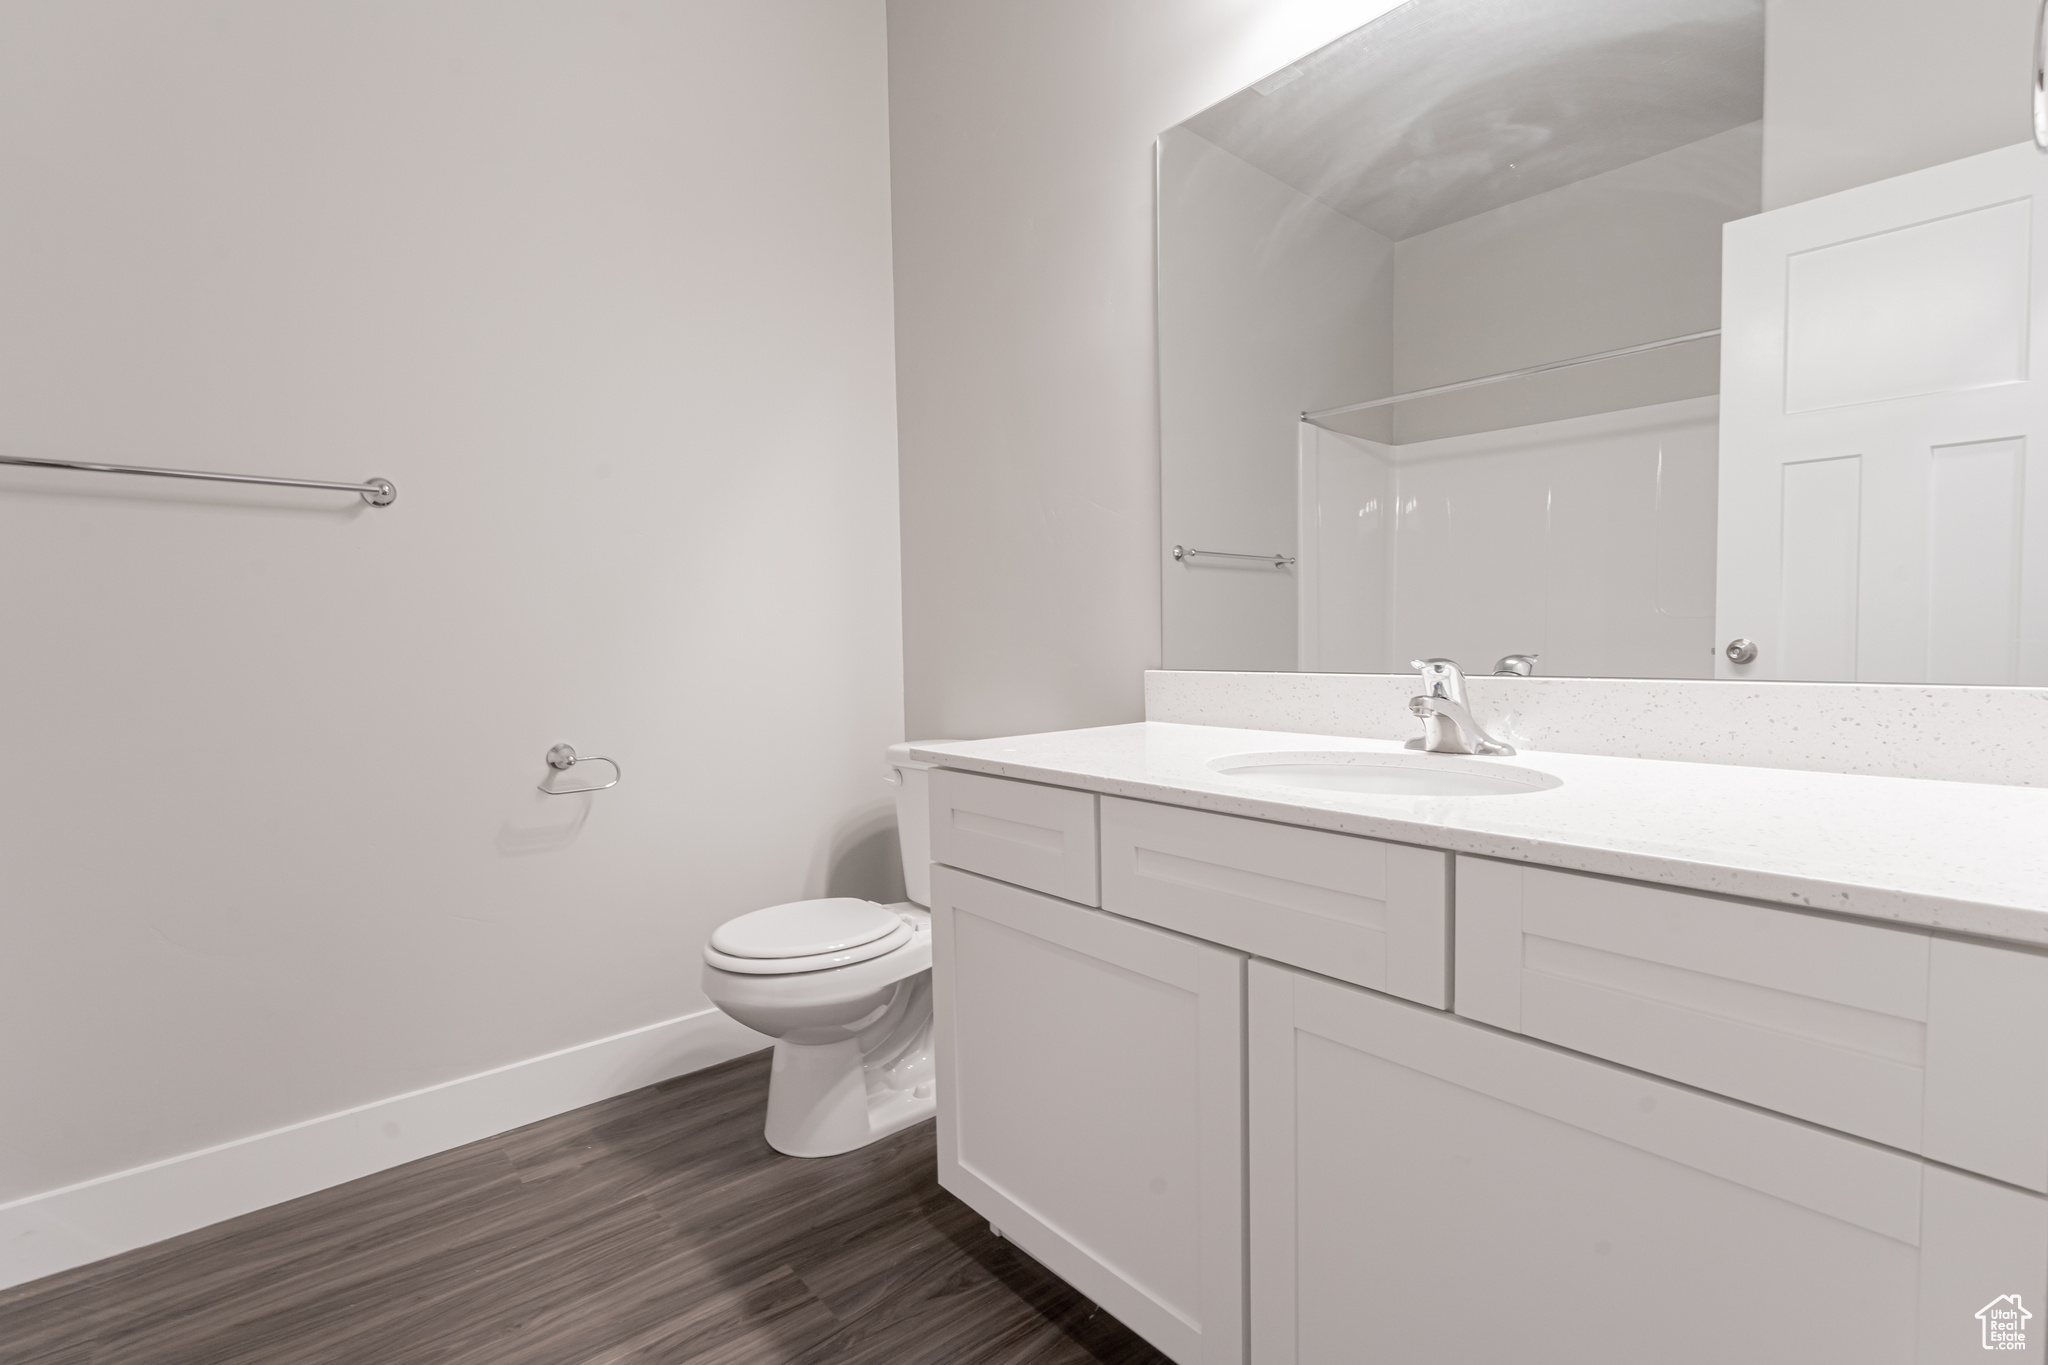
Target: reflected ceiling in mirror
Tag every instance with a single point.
(1447, 109)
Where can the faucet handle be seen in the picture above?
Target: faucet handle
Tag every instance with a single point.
(1516, 665)
(1442, 677)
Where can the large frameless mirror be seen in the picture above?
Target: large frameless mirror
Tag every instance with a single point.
(1442, 370)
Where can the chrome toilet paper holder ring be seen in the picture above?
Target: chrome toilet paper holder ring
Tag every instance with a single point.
(562, 757)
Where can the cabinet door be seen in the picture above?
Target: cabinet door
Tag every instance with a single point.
(1091, 1100)
(1426, 1189)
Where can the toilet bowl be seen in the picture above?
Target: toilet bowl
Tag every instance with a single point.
(844, 987)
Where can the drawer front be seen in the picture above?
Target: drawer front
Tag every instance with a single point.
(1363, 911)
(1019, 832)
(1920, 1043)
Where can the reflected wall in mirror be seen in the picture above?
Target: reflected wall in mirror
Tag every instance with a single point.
(1481, 334)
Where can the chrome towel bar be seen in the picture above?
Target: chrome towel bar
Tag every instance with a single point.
(1181, 554)
(561, 758)
(376, 492)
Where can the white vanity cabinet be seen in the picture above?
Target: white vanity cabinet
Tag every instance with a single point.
(1425, 1189)
(1091, 1062)
(1305, 1097)
(1091, 1103)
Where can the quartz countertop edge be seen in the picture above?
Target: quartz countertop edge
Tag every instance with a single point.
(1960, 857)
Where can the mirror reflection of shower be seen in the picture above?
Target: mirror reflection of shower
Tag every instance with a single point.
(1477, 246)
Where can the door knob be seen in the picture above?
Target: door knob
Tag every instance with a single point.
(1741, 651)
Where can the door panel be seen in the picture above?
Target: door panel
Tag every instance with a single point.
(1934, 307)
(1973, 560)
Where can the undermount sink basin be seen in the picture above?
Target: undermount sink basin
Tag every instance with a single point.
(1385, 774)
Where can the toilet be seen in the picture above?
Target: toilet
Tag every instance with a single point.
(844, 987)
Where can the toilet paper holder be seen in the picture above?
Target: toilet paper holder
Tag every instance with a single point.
(562, 757)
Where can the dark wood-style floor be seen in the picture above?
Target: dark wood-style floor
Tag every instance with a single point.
(655, 1227)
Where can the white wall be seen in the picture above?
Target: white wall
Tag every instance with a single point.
(1863, 90)
(605, 289)
(1270, 305)
(1021, 141)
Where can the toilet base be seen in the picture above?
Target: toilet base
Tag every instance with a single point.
(829, 1098)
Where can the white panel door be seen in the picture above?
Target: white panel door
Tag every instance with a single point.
(1091, 1103)
(1884, 495)
(1424, 1189)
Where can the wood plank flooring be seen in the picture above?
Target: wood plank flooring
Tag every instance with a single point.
(652, 1229)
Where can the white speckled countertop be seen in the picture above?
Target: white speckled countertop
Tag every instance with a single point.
(1960, 856)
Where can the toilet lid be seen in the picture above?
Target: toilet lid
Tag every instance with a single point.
(805, 928)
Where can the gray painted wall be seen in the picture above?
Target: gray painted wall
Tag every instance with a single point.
(1609, 261)
(1862, 90)
(1021, 143)
(1271, 304)
(614, 314)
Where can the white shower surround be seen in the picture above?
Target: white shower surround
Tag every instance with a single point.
(1956, 734)
(1588, 541)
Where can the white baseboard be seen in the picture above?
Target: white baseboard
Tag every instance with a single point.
(59, 1229)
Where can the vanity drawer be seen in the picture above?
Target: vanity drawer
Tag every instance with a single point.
(1367, 912)
(1017, 832)
(1917, 1042)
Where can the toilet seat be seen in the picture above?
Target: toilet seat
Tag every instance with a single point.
(807, 936)
(785, 990)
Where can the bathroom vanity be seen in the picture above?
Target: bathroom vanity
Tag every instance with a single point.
(1476, 344)
(1282, 1059)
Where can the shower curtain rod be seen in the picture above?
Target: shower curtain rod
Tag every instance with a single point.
(1510, 374)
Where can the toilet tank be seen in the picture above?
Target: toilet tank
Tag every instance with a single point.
(912, 780)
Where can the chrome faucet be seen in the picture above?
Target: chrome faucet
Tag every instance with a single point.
(1447, 724)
